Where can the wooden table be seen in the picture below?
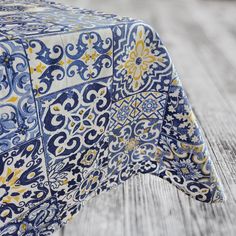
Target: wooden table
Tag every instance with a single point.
(201, 38)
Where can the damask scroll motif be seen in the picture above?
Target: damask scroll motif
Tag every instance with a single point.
(183, 154)
(18, 119)
(132, 150)
(57, 62)
(76, 118)
(75, 179)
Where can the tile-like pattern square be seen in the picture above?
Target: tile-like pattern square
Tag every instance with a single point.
(141, 106)
(31, 18)
(61, 61)
(132, 150)
(134, 133)
(75, 124)
(23, 179)
(13, 30)
(18, 119)
(123, 112)
(78, 19)
(141, 62)
(150, 105)
(75, 118)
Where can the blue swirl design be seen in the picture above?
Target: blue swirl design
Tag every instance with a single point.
(18, 120)
(42, 220)
(75, 118)
(75, 52)
(53, 71)
(23, 179)
(88, 56)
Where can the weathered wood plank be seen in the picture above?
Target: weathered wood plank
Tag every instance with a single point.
(200, 36)
(105, 217)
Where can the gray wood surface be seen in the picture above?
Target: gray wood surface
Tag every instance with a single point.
(201, 38)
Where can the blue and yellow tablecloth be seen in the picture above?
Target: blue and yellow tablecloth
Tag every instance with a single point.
(88, 100)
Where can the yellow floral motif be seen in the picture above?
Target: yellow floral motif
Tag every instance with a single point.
(5, 213)
(131, 144)
(90, 56)
(59, 150)
(139, 60)
(23, 227)
(121, 139)
(30, 148)
(185, 170)
(158, 155)
(10, 181)
(39, 68)
(61, 62)
(192, 117)
(109, 53)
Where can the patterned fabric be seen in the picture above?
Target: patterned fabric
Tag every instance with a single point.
(88, 100)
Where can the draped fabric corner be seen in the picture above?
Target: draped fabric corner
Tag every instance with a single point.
(88, 100)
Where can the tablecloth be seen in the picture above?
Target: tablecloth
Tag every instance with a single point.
(87, 100)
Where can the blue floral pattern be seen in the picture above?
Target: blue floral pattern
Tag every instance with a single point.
(88, 100)
(141, 62)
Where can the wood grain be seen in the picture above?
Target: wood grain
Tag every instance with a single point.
(201, 38)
